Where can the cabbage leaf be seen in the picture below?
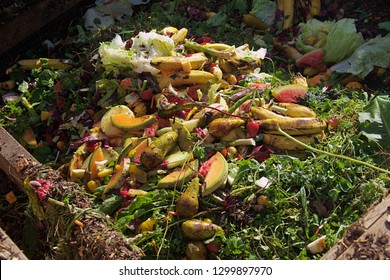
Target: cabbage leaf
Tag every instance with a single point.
(375, 52)
(338, 39)
(375, 121)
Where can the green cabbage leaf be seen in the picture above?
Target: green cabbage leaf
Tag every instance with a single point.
(375, 52)
(338, 39)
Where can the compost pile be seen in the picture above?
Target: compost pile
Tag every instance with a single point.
(202, 141)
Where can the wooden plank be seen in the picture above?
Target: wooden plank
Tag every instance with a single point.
(13, 156)
(8, 249)
(367, 238)
(373, 244)
(31, 20)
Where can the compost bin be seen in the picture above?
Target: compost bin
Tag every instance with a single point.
(141, 134)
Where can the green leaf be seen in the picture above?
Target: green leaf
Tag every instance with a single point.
(239, 5)
(111, 204)
(264, 10)
(384, 25)
(375, 121)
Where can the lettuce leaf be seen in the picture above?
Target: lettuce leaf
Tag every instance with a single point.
(146, 45)
(342, 40)
(313, 32)
(114, 55)
(338, 39)
(375, 121)
(374, 52)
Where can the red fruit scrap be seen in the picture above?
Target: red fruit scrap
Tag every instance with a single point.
(312, 59)
(163, 122)
(123, 192)
(260, 86)
(240, 77)
(147, 95)
(205, 40)
(252, 128)
(150, 131)
(213, 247)
(200, 132)
(333, 123)
(193, 93)
(205, 167)
(92, 146)
(42, 187)
(126, 83)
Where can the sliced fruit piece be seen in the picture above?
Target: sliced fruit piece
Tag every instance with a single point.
(178, 159)
(76, 173)
(189, 124)
(174, 63)
(116, 180)
(96, 157)
(216, 173)
(105, 172)
(289, 93)
(293, 110)
(77, 161)
(319, 80)
(155, 153)
(311, 59)
(126, 122)
(138, 150)
(179, 176)
(106, 125)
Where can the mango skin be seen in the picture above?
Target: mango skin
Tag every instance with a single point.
(196, 229)
(157, 150)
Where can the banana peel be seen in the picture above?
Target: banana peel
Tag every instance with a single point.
(30, 64)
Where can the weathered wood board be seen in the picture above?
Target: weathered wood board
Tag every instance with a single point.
(31, 20)
(11, 154)
(8, 249)
(367, 238)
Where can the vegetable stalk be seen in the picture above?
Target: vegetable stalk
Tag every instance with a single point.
(315, 150)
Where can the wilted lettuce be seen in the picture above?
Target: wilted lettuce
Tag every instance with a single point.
(114, 55)
(146, 45)
(374, 52)
(342, 40)
(312, 35)
(338, 39)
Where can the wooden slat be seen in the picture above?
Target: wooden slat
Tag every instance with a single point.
(8, 249)
(12, 154)
(367, 238)
(31, 20)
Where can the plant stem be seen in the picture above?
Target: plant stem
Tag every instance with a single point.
(239, 102)
(28, 106)
(310, 148)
